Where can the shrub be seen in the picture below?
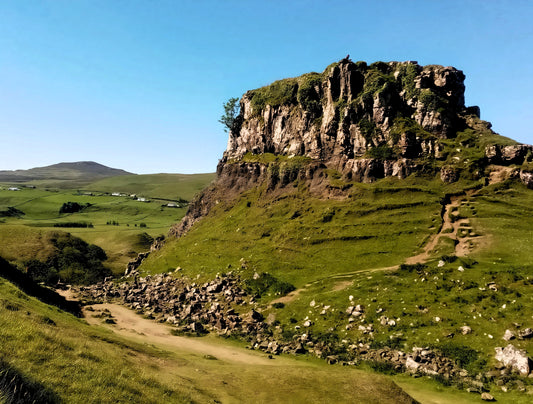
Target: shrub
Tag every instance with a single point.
(11, 212)
(382, 152)
(74, 224)
(265, 282)
(448, 258)
(40, 272)
(73, 261)
(418, 268)
(231, 119)
(73, 207)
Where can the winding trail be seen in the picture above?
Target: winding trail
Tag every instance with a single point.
(131, 325)
(125, 322)
(458, 230)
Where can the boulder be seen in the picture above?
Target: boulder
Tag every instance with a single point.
(411, 365)
(487, 397)
(527, 178)
(514, 358)
(526, 333)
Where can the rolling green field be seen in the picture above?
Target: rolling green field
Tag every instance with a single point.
(117, 221)
(167, 186)
(335, 252)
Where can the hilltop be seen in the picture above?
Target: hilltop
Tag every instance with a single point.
(359, 123)
(81, 171)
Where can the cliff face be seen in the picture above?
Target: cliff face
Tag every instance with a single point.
(352, 108)
(364, 122)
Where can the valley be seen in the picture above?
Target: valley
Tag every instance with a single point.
(115, 222)
(364, 230)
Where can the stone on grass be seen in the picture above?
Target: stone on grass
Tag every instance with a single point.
(526, 333)
(487, 397)
(509, 335)
(514, 358)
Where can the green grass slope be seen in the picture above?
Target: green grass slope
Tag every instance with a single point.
(302, 238)
(47, 355)
(339, 253)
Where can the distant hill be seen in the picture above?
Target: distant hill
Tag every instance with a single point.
(84, 171)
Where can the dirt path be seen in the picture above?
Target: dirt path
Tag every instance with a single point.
(337, 287)
(448, 229)
(458, 230)
(132, 326)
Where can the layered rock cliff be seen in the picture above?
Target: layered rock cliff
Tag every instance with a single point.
(364, 122)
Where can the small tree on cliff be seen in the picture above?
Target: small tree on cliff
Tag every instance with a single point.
(230, 119)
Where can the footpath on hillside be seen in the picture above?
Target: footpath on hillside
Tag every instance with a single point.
(453, 227)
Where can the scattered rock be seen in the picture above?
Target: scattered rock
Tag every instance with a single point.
(411, 365)
(508, 335)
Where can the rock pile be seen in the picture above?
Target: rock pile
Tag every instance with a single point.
(223, 306)
(192, 308)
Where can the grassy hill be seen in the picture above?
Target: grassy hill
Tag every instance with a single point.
(345, 252)
(81, 172)
(47, 355)
(166, 186)
(371, 186)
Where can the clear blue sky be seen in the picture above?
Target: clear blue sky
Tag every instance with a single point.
(139, 85)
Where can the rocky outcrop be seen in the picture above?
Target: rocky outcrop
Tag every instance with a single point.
(507, 155)
(364, 122)
(351, 108)
(519, 155)
(526, 177)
